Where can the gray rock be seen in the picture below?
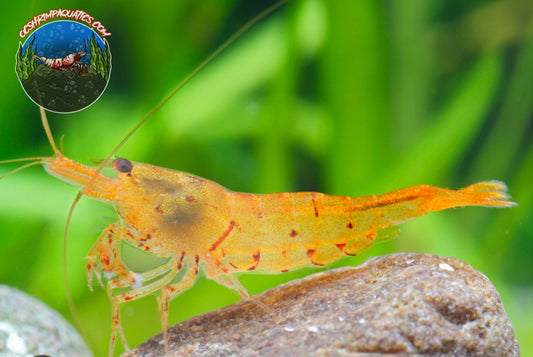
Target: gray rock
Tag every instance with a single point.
(395, 304)
(28, 328)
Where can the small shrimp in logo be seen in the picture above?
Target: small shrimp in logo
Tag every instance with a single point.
(70, 62)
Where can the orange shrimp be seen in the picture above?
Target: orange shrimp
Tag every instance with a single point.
(200, 225)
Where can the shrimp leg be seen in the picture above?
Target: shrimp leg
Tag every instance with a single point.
(137, 293)
(107, 250)
(171, 291)
(218, 272)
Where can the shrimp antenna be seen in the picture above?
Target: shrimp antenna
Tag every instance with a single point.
(68, 292)
(104, 162)
(47, 130)
(20, 168)
(36, 160)
(201, 66)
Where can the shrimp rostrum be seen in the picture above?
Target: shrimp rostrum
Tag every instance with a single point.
(200, 225)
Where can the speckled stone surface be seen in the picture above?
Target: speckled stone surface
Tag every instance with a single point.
(28, 328)
(399, 304)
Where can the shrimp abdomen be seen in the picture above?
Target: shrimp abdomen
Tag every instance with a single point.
(277, 232)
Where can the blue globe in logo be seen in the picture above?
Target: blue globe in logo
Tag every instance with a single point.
(64, 66)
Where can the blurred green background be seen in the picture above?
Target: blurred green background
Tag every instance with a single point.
(350, 98)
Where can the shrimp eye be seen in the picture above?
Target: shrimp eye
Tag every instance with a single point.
(123, 165)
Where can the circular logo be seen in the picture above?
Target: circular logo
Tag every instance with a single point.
(64, 66)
